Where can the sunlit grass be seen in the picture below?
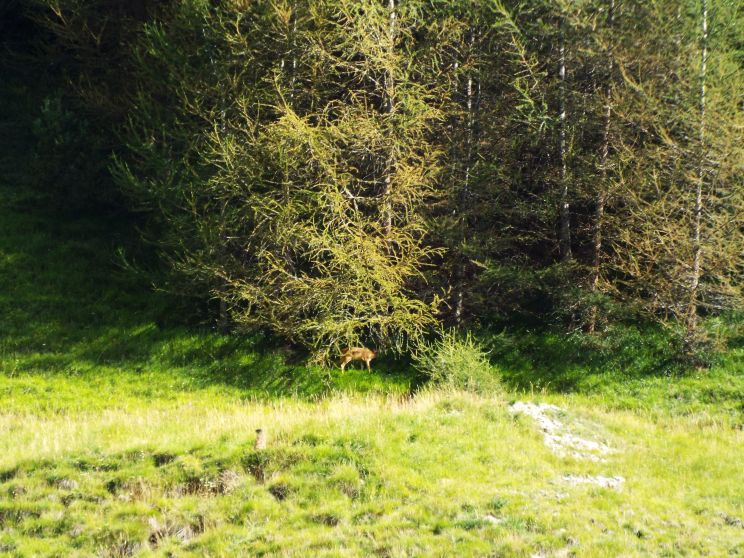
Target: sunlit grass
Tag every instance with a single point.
(439, 474)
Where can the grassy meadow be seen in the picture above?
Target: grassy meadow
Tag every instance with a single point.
(124, 432)
(439, 474)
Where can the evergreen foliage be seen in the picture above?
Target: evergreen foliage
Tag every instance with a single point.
(346, 172)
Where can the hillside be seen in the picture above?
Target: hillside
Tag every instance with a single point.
(123, 437)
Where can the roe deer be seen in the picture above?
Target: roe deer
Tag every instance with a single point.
(357, 353)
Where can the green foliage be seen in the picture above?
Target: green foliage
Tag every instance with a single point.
(75, 328)
(68, 165)
(457, 361)
(126, 435)
(363, 172)
(302, 214)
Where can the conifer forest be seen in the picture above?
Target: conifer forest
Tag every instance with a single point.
(346, 171)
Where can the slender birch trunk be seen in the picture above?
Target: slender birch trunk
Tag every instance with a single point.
(223, 319)
(387, 209)
(293, 50)
(603, 189)
(565, 225)
(692, 316)
(472, 99)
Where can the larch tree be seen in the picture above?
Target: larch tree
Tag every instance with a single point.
(358, 171)
(355, 167)
(678, 248)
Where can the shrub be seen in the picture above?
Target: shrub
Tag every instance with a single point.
(457, 361)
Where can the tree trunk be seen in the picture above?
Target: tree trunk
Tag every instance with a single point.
(223, 317)
(691, 333)
(472, 102)
(293, 49)
(603, 189)
(387, 209)
(565, 225)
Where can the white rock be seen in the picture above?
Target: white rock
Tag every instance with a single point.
(607, 482)
(558, 436)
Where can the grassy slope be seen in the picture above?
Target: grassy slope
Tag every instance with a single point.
(121, 437)
(438, 475)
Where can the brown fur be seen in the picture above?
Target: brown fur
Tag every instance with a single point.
(357, 353)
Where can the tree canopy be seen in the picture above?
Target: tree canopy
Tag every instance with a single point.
(360, 171)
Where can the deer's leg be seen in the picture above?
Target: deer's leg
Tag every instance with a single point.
(368, 368)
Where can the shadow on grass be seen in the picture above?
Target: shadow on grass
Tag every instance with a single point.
(67, 309)
(555, 360)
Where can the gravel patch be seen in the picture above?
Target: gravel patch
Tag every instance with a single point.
(564, 442)
(558, 436)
